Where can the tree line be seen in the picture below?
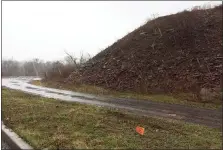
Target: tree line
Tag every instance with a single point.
(44, 69)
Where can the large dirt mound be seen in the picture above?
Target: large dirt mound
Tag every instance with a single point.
(180, 52)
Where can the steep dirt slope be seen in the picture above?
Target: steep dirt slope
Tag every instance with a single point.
(180, 52)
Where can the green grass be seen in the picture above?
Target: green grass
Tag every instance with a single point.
(171, 99)
(47, 123)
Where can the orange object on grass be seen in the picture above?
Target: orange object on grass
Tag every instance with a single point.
(140, 130)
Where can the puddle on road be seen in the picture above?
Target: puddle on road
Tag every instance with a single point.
(82, 97)
(39, 90)
(28, 87)
(13, 82)
(48, 91)
(64, 94)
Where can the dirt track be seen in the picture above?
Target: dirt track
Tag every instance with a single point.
(212, 118)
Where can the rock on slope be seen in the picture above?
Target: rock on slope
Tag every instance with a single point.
(180, 52)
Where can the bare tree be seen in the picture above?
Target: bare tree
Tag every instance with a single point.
(70, 58)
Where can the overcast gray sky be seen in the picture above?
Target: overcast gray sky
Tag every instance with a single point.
(44, 29)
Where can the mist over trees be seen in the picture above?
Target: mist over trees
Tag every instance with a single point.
(48, 69)
(33, 67)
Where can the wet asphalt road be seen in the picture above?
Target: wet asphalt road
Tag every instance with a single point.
(212, 118)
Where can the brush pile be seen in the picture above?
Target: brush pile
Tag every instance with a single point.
(180, 52)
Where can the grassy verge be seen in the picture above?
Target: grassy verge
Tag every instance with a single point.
(172, 99)
(47, 123)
